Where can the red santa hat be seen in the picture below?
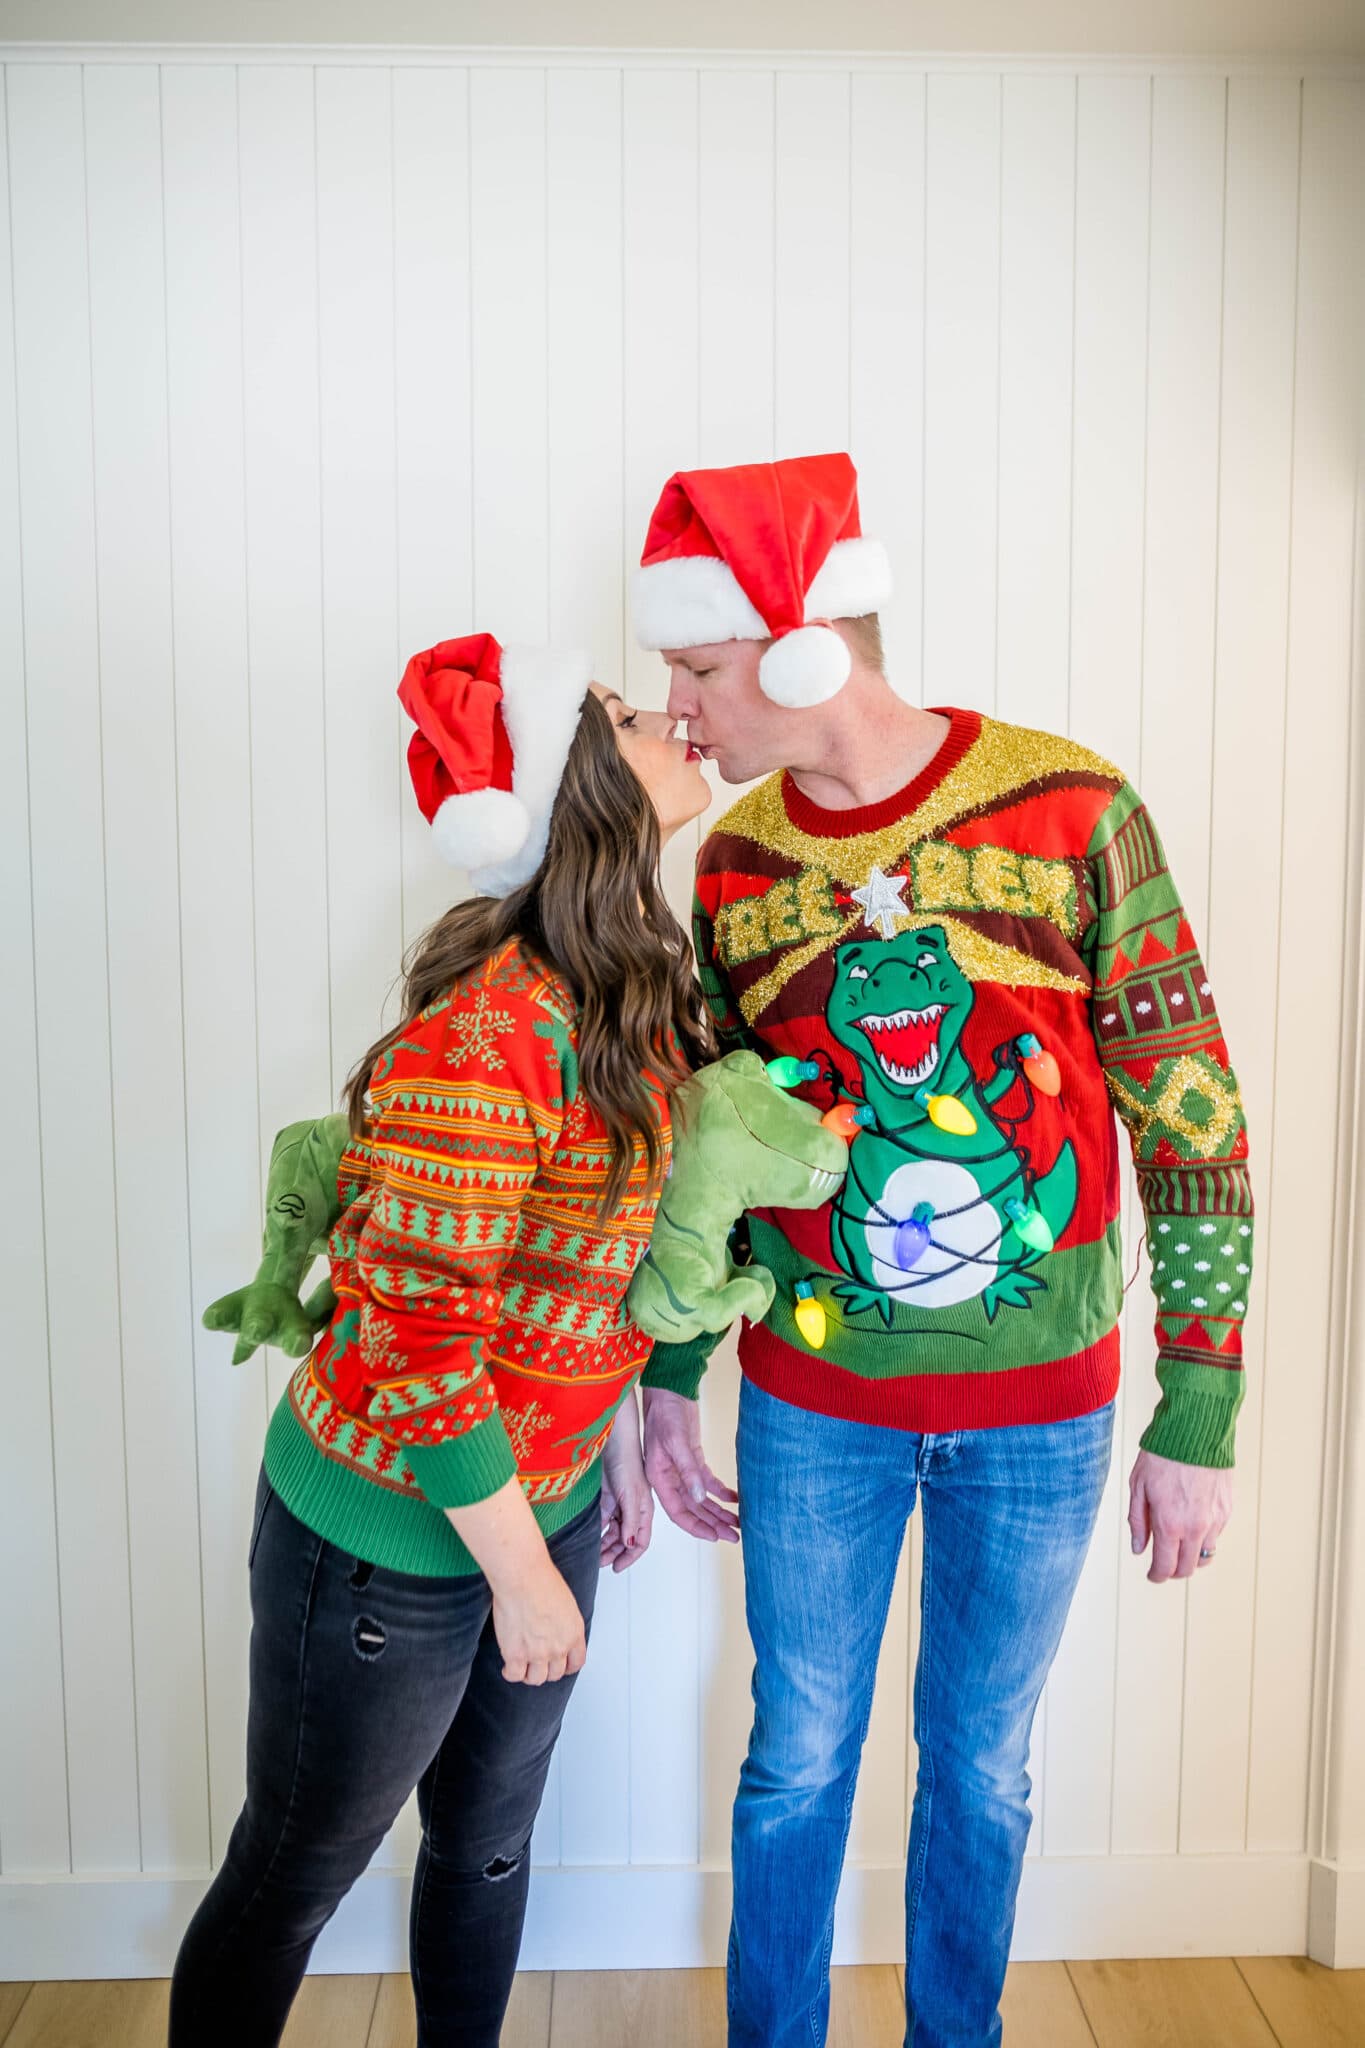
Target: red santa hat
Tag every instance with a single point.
(763, 551)
(494, 728)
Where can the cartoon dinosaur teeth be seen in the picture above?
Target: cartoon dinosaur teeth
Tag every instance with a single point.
(905, 1042)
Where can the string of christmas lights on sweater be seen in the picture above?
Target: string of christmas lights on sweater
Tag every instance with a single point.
(913, 1234)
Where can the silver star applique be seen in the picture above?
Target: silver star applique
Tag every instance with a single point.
(880, 897)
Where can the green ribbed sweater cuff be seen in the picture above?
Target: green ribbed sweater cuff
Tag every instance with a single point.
(464, 1469)
(678, 1368)
(1196, 1418)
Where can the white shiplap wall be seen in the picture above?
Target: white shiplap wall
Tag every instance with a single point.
(303, 366)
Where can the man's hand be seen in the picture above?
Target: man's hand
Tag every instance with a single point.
(1183, 1508)
(676, 1467)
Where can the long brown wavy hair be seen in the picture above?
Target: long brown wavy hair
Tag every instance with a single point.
(595, 914)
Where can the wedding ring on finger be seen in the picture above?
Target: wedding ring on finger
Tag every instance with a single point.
(1206, 1556)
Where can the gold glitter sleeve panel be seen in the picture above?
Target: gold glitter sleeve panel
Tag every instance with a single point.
(1161, 1047)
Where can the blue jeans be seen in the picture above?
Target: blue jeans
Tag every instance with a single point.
(1008, 1515)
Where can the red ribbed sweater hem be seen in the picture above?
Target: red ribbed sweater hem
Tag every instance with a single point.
(1056, 1392)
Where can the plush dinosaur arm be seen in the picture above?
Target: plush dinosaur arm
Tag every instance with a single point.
(301, 1204)
(674, 1295)
(739, 1142)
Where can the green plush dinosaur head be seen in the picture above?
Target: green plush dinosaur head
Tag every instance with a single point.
(765, 1147)
(899, 1005)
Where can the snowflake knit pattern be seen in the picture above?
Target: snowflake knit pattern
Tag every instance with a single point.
(480, 1328)
(989, 962)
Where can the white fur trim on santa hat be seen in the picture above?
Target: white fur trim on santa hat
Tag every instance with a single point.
(542, 697)
(853, 580)
(691, 601)
(480, 826)
(804, 667)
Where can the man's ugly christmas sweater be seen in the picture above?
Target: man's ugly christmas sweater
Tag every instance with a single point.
(983, 964)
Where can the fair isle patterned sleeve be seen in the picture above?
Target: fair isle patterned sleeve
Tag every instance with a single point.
(1161, 1047)
(465, 1105)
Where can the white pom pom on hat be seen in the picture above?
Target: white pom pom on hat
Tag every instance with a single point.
(480, 828)
(806, 666)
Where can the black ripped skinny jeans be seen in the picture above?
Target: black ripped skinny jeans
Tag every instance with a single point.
(364, 1684)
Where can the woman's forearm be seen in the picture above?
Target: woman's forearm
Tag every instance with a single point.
(536, 1619)
(502, 1536)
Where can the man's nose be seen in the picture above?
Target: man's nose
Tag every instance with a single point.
(682, 695)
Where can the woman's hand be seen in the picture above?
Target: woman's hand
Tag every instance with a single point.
(538, 1627)
(627, 1500)
(535, 1617)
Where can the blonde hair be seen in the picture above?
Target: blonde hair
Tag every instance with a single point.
(865, 637)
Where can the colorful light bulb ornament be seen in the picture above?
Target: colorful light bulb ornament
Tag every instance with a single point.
(789, 1072)
(1040, 1066)
(1030, 1224)
(912, 1238)
(948, 1113)
(810, 1315)
(848, 1118)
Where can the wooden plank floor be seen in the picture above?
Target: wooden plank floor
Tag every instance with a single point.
(1255, 2002)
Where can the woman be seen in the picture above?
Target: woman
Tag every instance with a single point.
(428, 1525)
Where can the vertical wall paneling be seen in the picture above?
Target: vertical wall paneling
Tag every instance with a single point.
(1184, 334)
(1108, 463)
(1260, 252)
(214, 790)
(33, 1803)
(316, 364)
(359, 548)
(961, 387)
(137, 733)
(61, 652)
(585, 287)
(283, 522)
(1037, 284)
(433, 318)
(886, 343)
(1108, 557)
(1295, 1241)
(734, 300)
(811, 249)
(507, 278)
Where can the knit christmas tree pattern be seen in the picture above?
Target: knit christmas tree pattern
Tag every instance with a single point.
(480, 1326)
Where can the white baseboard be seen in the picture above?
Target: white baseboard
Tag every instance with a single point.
(659, 1918)
(1336, 1915)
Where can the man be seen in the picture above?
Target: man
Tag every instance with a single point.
(967, 934)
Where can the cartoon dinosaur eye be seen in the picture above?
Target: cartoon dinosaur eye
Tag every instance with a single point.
(926, 960)
(856, 973)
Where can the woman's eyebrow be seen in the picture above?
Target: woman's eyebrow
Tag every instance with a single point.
(613, 697)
